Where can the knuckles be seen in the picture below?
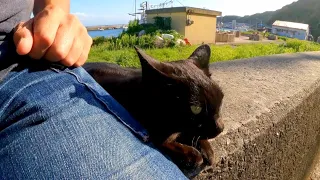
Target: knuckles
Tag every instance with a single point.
(72, 19)
(68, 62)
(58, 52)
(44, 38)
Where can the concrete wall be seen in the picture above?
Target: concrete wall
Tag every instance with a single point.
(178, 22)
(271, 112)
(315, 168)
(203, 30)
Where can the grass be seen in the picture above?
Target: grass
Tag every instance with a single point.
(127, 57)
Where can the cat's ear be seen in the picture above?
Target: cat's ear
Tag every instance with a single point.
(201, 58)
(149, 64)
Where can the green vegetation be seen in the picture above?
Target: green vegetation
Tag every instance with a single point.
(161, 24)
(266, 34)
(127, 57)
(120, 50)
(130, 38)
(124, 41)
(129, 41)
(303, 11)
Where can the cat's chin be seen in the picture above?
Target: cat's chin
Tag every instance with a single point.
(211, 135)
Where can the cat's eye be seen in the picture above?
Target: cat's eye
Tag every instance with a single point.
(196, 109)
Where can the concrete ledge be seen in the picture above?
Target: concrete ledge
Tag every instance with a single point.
(315, 169)
(271, 112)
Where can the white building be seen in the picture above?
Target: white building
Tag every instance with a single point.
(291, 29)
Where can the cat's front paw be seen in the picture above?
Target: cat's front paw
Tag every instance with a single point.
(207, 151)
(193, 158)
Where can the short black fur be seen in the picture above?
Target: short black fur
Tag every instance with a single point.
(177, 102)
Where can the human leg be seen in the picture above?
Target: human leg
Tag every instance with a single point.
(60, 124)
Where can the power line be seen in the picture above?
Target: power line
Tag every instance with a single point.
(180, 3)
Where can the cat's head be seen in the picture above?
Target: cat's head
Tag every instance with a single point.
(187, 99)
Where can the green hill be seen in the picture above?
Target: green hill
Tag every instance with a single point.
(302, 11)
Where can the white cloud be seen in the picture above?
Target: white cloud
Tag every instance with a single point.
(80, 14)
(85, 15)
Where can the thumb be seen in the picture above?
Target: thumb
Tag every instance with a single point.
(23, 37)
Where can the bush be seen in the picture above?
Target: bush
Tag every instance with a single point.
(302, 46)
(134, 27)
(98, 40)
(283, 38)
(126, 40)
(162, 23)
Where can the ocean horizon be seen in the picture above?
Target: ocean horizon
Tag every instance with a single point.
(106, 33)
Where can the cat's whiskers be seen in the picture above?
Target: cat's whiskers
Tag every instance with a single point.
(197, 141)
(205, 103)
(192, 141)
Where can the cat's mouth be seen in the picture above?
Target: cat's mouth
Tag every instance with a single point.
(206, 137)
(210, 134)
(201, 135)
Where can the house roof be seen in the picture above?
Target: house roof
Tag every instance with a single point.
(293, 25)
(190, 10)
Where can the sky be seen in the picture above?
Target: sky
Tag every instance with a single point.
(106, 12)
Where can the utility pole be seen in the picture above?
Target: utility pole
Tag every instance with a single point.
(135, 9)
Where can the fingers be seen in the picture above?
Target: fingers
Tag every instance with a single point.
(84, 55)
(71, 45)
(55, 36)
(63, 41)
(45, 29)
(23, 38)
(74, 53)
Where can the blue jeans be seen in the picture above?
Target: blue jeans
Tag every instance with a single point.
(60, 124)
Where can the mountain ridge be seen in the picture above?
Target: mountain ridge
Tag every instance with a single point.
(301, 11)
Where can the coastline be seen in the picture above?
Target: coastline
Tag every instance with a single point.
(105, 27)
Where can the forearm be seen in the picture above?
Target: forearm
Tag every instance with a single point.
(39, 5)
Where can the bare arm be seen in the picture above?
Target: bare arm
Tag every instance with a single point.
(39, 5)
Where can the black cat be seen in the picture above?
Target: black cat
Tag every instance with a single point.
(176, 102)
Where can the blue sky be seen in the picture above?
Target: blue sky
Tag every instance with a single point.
(106, 12)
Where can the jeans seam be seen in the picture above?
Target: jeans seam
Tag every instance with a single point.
(144, 136)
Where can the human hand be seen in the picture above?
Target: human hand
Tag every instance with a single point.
(55, 36)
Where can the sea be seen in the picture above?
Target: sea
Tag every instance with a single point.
(106, 33)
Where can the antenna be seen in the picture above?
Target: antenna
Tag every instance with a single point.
(171, 2)
(135, 9)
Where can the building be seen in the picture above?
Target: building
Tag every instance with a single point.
(234, 24)
(197, 25)
(291, 29)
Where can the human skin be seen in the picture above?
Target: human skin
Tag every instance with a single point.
(53, 34)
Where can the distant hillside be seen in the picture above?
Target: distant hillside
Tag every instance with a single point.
(303, 11)
(253, 19)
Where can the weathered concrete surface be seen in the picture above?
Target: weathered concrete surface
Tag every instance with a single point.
(271, 112)
(315, 169)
